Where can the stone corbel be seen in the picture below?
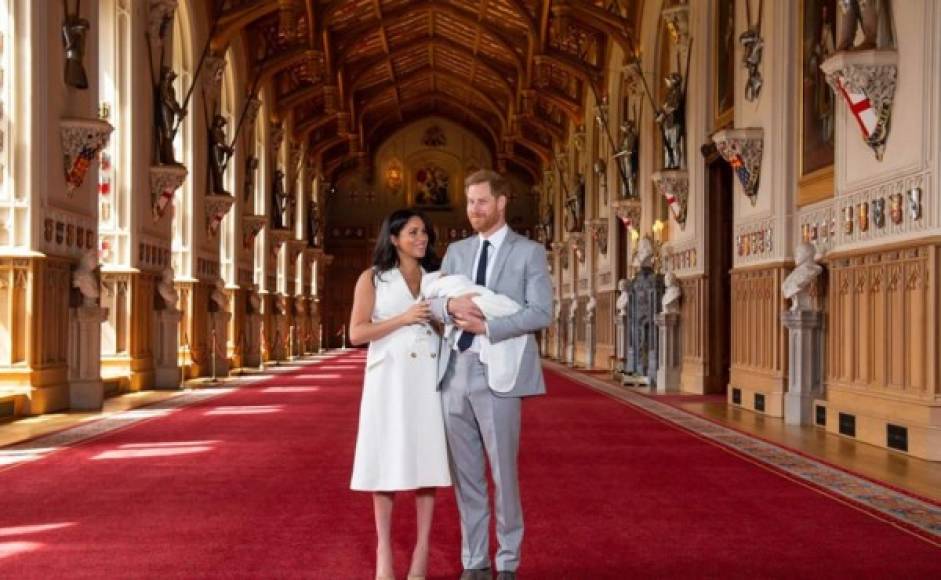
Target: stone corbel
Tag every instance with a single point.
(673, 184)
(743, 149)
(866, 81)
(628, 211)
(277, 237)
(164, 181)
(251, 226)
(216, 208)
(82, 140)
(158, 20)
(295, 247)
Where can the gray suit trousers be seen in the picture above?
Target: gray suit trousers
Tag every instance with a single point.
(478, 421)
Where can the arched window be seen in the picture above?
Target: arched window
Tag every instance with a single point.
(227, 229)
(114, 47)
(13, 201)
(182, 221)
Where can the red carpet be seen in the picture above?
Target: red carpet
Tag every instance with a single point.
(253, 484)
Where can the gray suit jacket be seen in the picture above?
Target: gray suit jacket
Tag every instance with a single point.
(520, 272)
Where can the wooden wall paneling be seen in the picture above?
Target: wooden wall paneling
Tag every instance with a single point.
(143, 293)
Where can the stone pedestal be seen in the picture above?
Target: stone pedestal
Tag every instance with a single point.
(86, 391)
(804, 383)
(167, 369)
(620, 345)
(671, 357)
(251, 356)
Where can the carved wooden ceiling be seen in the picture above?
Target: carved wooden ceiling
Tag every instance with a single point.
(514, 72)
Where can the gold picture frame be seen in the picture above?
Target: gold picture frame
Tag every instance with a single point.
(816, 102)
(723, 64)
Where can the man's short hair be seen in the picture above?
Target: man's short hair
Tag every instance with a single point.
(498, 184)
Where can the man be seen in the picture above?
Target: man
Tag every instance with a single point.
(478, 420)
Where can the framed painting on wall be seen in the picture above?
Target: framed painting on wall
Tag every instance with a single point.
(723, 65)
(817, 101)
(432, 188)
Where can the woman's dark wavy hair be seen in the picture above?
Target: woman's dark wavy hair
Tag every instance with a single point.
(385, 256)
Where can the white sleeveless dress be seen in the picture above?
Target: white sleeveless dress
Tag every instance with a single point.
(401, 443)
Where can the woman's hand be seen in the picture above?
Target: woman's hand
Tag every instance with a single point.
(418, 313)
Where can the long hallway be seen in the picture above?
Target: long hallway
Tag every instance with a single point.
(251, 481)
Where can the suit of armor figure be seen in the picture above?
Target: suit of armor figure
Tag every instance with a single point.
(278, 201)
(859, 14)
(219, 153)
(167, 112)
(73, 40)
(672, 121)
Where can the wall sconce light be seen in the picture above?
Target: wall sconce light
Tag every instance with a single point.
(657, 231)
(394, 176)
(635, 235)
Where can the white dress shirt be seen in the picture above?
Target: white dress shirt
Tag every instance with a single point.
(496, 240)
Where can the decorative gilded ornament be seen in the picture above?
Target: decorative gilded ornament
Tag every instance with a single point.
(914, 203)
(896, 208)
(878, 212)
(848, 220)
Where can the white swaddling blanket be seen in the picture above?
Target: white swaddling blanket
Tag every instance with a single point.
(503, 358)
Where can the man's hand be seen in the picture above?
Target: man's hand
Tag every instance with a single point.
(472, 324)
(463, 307)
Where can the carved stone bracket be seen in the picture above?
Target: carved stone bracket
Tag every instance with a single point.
(160, 15)
(674, 186)
(628, 211)
(599, 233)
(251, 226)
(277, 237)
(82, 139)
(164, 181)
(216, 208)
(743, 149)
(866, 81)
(251, 114)
(295, 247)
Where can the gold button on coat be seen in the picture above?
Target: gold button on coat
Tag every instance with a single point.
(414, 355)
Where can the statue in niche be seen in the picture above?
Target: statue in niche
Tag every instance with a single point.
(313, 224)
(167, 290)
(168, 113)
(672, 120)
(85, 278)
(575, 207)
(251, 166)
(872, 17)
(795, 287)
(279, 201)
(590, 308)
(74, 30)
(219, 153)
(627, 158)
(671, 294)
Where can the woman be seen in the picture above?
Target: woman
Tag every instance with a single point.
(401, 443)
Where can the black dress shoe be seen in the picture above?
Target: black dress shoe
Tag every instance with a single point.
(485, 574)
(506, 575)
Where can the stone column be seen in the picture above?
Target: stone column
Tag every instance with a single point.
(590, 338)
(219, 322)
(86, 391)
(251, 357)
(803, 366)
(671, 356)
(167, 369)
(570, 334)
